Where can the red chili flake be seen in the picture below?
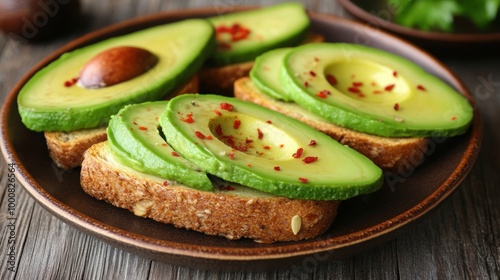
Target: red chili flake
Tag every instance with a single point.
(218, 130)
(282, 145)
(354, 90)
(199, 135)
(224, 46)
(175, 154)
(230, 155)
(71, 82)
(389, 87)
(357, 84)
(143, 128)
(226, 188)
(331, 79)
(222, 29)
(218, 113)
(395, 73)
(308, 160)
(226, 106)
(260, 135)
(210, 137)
(242, 147)
(316, 59)
(377, 91)
(312, 73)
(266, 148)
(396, 106)
(164, 144)
(240, 34)
(236, 124)
(188, 118)
(236, 31)
(453, 118)
(298, 154)
(312, 143)
(321, 94)
(248, 141)
(230, 140)
(269, 122)
(306, 84)
(277, 168)
(421, 87)
(303, 180)
(249, 165)
(165, 183)
(324, 93)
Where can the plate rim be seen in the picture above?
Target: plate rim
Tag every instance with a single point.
(361, 14)
(141, 244)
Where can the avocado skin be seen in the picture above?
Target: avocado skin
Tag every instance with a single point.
(354, 174)
(243, 54)
(348, 115)
(64, 118)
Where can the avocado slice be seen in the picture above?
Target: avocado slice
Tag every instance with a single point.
(373, 91)
(253, 146)
(135, 138)
(242, 36)
(266, 71)
(47, 102)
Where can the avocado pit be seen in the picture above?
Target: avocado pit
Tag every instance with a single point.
(116, 65)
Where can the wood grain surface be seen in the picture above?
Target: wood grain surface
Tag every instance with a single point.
(458, 241)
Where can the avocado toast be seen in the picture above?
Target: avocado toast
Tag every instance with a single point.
(243, 35)
(225, 167)
(375, 102)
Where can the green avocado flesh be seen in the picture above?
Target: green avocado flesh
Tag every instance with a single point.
(259, 30)
(247, 144)
(47, 103)
(371, 91)
(135, 139)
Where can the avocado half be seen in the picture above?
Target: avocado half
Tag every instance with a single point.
(364, 89)
(245, 143)
(48, 103)
(242, 36)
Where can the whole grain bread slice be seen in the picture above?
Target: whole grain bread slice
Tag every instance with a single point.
(232, 212)
(66, 148)
(397, 155)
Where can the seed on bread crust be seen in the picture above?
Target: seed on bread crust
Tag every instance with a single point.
(296, 224)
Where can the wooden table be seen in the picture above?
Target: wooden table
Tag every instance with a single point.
(459, 241)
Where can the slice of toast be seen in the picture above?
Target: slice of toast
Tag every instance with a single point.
(397, 155)
(220, 79)
(233, 212)
(66, 148)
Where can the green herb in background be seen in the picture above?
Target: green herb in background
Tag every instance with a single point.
(438, 15)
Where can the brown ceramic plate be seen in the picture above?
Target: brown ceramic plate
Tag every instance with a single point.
(362, 222)
(465, 39)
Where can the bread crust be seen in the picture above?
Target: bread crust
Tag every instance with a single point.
(222, 213)
(66, 148)
(398, 155)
